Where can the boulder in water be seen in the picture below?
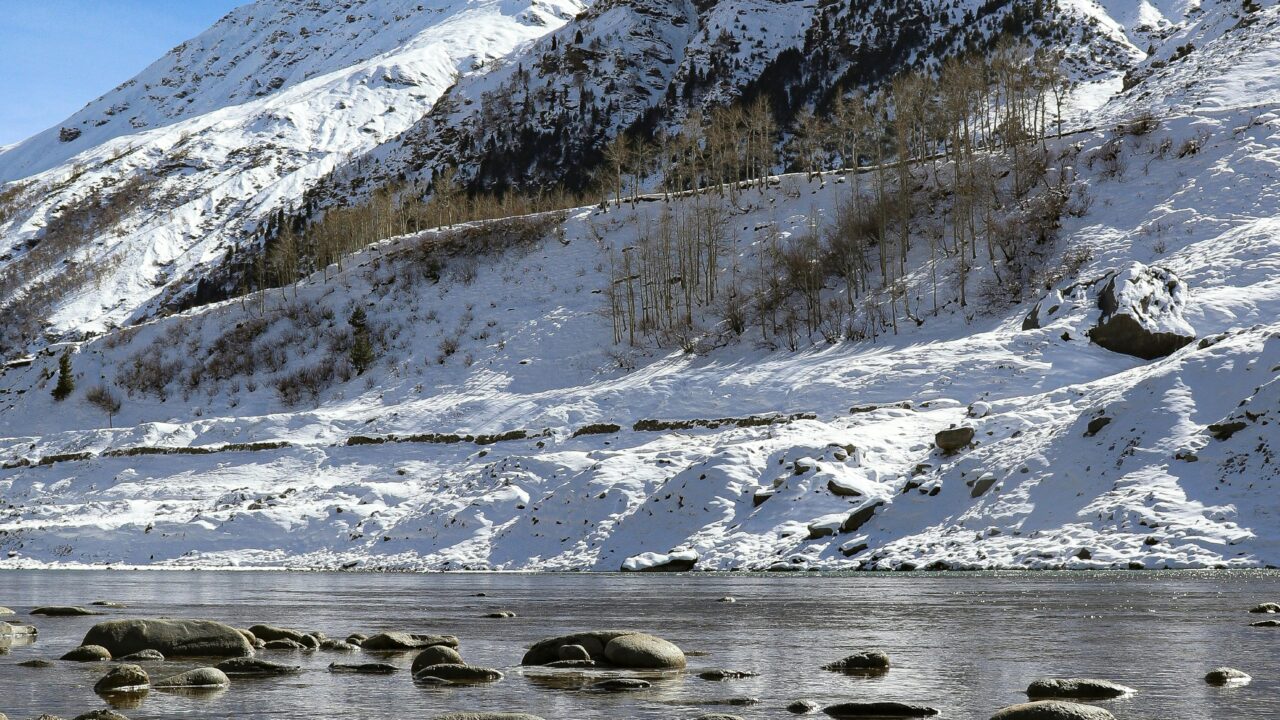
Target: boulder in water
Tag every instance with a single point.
(267, 633)
(865, 661)
(88, 653)
(330, 645)
(643, 651)
(674, 561)
(173, 638)
(205, 677)
(147, 655)
(1227, 676)
(487, 716)
(1052, 710)
(722, 674)
(284, 644)
(399, 641)
(800, 707)
(123, 679)
(252, 667)
(364, 668)
(621, 685)
(63, 611)
(574, 652)
(1266, 608)
(879, 710)
(103, 714)
(1077, 689)
(437, 655)
(37, 663)
(458, 673)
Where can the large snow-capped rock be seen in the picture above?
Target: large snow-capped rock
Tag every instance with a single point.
(1142, 313)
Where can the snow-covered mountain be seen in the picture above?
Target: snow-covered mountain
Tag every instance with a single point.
(502, 426)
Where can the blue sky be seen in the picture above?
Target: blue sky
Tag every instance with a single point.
(57, 55)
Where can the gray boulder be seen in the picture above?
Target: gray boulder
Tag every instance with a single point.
(63, 611)
(364, 668)
(123, 679)
(865, 661)
(338, 646)
(458, 673)
(547, 651)
(37, 663)
(953, 439)
(437, 655)
(718, 716)
(398, 641)
(621, 685)
(173, 638)
(1052, 710)
(284, 644)
(267, 633)
(103, 714)
(6, 611)
(643, 651)
(1142, 313)
(1076, 689)
(487, 716)
(1265, 623)
(252, 667)
(879, 710)
(205, 677)
(17, 630)
(860, 517)
(722, 674)
(88, 653)
(800, 707)
(1227, 676)
(574, 652)
(1264, 608)
(143, 656)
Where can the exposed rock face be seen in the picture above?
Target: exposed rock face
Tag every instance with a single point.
(1142, 313)
(859, 517)
(173, 638)
(1077, 688)
(1052, 710)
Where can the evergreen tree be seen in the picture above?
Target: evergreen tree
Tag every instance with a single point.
(66, 383)
(361, 353)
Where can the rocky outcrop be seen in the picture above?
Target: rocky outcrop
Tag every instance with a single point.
(675, 561)
(173, 638)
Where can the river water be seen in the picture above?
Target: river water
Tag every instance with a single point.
(965, 643)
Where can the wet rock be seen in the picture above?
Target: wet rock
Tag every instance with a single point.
(718, 716)
(338, 646)
(621, 685)
(205, 677)
(17, 630)
(722, 674)
(548, 650)
(109, 604)
(1052, 710)
(398, 641)
(252, 667)
(573, 652)
(123, 678)
(143, 656)
(1142, 313)
(1077, 689)
(1265, 608)
(459, 673)
(879, 710)
(37, 663)
(727, 599)
(437, 655)
(865, 661)
(1265, 623)
(644, 651)
(88, 653)
(267, 633)
(364, 668)
(500, 615)
(1227, 676)
(173, 638)
(487, 716)
(64, 611)
(800, 707)
(571, 664)
(284, 644)
(357, 638)
(103, 714)
(953, 439)
(6, 611)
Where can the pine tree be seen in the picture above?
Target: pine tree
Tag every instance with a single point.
(361, 353)
(66, 383)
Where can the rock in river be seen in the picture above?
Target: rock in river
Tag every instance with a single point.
(268, 633)
(621, 685)
(63, 611)
(1227, 676)
(487, 716)
(1052, 710)
(251, 667)
(879, 710)
(800, 707)
(722, 674)
(437, 655)
(1267, 608)
(123, 678)
(399, 641)
(865, 661)
(364, 668)
(621, 648)
(147, 655)
(458, 673)
(1076, 688)
(88, 653)
(37, 663)
(205, 677)
(103, 714)
(173, 638)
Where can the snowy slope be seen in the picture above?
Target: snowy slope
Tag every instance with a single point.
(225, 129)
(759, 458)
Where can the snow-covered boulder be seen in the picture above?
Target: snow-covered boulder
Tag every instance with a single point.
(674, 561)
(1142, 313)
